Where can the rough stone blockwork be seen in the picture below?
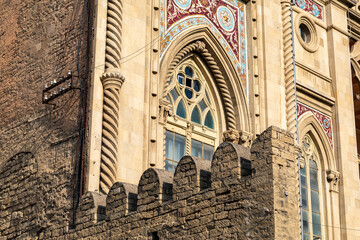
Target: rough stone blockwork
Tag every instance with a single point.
(242, 194)
(40, 143)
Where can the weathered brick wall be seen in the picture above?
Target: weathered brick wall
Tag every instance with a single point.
(39, 41)
(242, 194)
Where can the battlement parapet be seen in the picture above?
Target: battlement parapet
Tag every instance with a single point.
(240, 194)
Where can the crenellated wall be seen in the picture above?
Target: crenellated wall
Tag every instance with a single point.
(241, 194)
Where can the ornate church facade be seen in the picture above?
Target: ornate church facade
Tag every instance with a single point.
(175, 78)
(200, 72)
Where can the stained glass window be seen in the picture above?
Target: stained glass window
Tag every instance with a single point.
(181, 112)
(194, 116)
(310, 190)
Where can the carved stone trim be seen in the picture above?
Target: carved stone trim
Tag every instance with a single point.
(246, 138)
(200, 47)
(231, 136)
(333, 177)
(164, 111)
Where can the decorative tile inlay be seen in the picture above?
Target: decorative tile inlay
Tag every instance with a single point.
(324, 120)
(311, 7)
(225, 18)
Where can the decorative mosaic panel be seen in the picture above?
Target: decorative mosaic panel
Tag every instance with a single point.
(311, 7)
(324, 120)
(225, 18)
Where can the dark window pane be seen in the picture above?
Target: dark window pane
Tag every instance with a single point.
(179, 150)
(306, 236)
(202, 105)
(181, 112)
(303, 181)
(196, 148)
(209, 122)
(306, 221)
(312, 164)
(188, 82)
(304, 198)
(207, 97)
(316, 224)
(315, 204)
(169, 145)
(303, 170)
(168, 166)
(189, 72)
(208, 151)
(188, 93)
(313, 179)
(181, 78)
(195, 116)
(174, 94)
(196, 85)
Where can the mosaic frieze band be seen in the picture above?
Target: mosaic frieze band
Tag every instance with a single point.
(311, 7)
(225, 18)
(324, 120)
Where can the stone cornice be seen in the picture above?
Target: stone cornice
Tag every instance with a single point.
(328, 100)
(344, 4)
(354, 24)
(348, 3)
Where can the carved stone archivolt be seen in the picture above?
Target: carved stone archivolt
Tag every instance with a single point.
(200, 47)
(112, 81)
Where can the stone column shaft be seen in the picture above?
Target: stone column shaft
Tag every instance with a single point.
(112, 83)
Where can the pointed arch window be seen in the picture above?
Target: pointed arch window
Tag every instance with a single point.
(192, 129)
(310, 176)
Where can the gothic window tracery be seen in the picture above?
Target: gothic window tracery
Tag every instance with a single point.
(310, 177)
(192, 128)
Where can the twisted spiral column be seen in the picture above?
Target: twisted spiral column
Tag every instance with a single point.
(199, 47)
(112, 83)
(288, 66)
(189, 130)
(113, 34)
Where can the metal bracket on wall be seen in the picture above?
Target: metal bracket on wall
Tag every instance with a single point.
(58, 87)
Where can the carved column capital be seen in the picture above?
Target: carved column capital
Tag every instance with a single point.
(200, 45)
(164, 110)
(231, 135)
(112, 78)
(333, 177)
(245, 138)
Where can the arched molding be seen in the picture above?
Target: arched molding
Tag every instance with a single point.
(309, 124)
(202, 41)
